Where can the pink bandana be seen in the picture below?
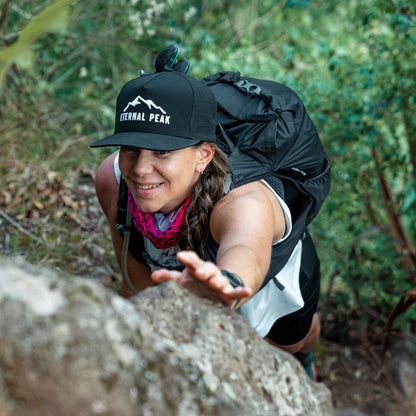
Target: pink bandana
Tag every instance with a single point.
(145, 222)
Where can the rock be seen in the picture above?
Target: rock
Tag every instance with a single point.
(349, 412)
(69, 346)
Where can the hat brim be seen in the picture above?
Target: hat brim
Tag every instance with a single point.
(149, 141)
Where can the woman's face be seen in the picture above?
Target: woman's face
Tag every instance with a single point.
(161, 181)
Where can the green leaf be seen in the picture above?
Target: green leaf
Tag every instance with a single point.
(409, 200)
(292, 3)
(52, 19)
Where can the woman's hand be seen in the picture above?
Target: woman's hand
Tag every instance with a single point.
(203, 278)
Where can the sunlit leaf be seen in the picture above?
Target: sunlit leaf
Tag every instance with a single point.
(52, 19)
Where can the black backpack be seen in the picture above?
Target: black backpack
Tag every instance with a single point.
(264, 130)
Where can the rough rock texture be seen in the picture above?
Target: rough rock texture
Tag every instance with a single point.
(73, 347)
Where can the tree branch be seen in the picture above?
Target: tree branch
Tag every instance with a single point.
(405, 11)
(4, 12)
(19, 227)
(403, 246)
(410, 127)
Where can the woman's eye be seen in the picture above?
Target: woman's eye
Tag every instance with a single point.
(162, 152)
(129, 149)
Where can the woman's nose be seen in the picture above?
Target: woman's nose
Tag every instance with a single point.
(144, 162)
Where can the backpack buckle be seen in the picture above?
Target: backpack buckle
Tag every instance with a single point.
(248, 87)
(123, 228)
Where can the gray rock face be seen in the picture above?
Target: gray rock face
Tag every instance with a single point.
(73, 347)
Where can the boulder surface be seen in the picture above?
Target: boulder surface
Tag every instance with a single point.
(70, 346)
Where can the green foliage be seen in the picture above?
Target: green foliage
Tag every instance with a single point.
(353, 64)
(292, 3)
(54, 18)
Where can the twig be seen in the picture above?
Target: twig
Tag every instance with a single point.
(19, 227)
(403, 246)
(404, 11)
(22, 12)
(4, 12)
(374, 314)
(374, 360)
(367, 352)
(401, 306)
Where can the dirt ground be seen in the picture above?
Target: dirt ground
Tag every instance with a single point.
(350, 363)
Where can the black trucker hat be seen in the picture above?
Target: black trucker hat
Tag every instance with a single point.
(163, 111)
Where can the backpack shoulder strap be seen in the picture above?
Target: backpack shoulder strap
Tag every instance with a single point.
(122, 208)
(123, 224)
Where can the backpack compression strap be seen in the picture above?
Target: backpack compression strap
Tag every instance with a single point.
(242, 84)
(123, 224)
(124, 253)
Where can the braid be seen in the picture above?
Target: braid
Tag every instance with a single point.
(208, 190)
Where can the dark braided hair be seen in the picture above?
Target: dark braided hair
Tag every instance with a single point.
(207, 191)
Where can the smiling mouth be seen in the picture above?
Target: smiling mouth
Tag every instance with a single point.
(147, 186)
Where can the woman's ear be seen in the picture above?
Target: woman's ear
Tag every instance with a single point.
(206, 153)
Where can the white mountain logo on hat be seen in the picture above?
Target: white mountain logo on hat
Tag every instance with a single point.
(149, 103)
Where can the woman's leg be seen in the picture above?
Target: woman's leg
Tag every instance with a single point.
(307, 343)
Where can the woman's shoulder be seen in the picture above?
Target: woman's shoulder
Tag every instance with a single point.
(256, 190)
(244, 199)
(252, 203)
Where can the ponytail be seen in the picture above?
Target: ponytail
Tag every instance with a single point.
(207, 191)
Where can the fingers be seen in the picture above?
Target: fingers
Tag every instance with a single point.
(190, 259)
(167, 58)
(204, 278)
(200, 269)
(240, 292)
(164, 275)
(209, 273)
(183, 65)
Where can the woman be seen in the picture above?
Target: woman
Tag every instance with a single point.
(187, 226)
